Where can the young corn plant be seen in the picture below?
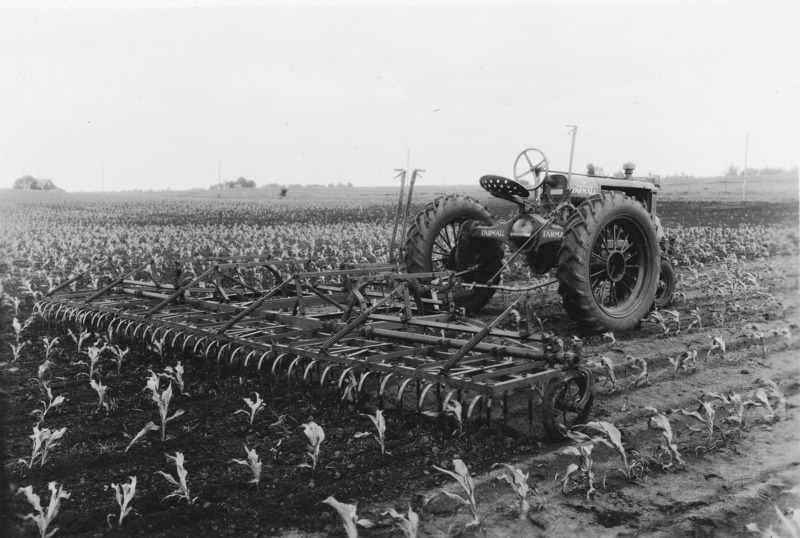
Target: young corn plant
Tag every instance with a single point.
(607, 365)
(124, 495)
(149, 427)
(519, 483)
(408, 524)
(461, 475)
(254, 406)
(79, 338)
(580, 473)
(658, 318)
(253, 463)
(734, 406)
(16, 349)
(674, 317)
(349, 518)
(43, 518)
(684, 361)
(119, 354)
(100, 389)
(315, 435)
(717, 343)
(380, 426)
(19, 328)
(157, 346)
(182, 491)
(611, 437)
(661, 422)
(49, 347)
(791, 526)
(162, 401)
(176, 374)
(643, 378)
(93, 352)
(51, 403)
(705, 414)
(610, 336)
(43, 441)
(696, 319)
(42, 369)
(764, 399)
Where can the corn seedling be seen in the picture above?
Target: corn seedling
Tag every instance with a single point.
(93, 353)
(158, 347)
(735, 408)
(610, 336)
(17, 349)
(658, 318)
(42, 369)
(152, 384)
(674, 317)
(705, 414)
(162, 401)
(49, 346)
(612, 438)
(643, 378)
(149, 427)
(253, 463)
(254, 406)
(716, 343)
(124, 495)
(763, 399)
(519, 483)
(607, 365)
(100, 389)
(43, 441)
(182, 491)
(43, 518)
(51, 403)
(119, 354)
(176, 374)
(408, 524)
(79, 339)
(792, 526)
(461, 475)
(684, 362)
(753, 332)
(19, 328)
(696, 319)
(13, 301)
(580, 473)
(661, 422)
(380, 426)
(315, 435)
(349, 518)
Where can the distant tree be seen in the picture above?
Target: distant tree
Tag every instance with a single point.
(618, 175)
(31, 183)
(732, 171)
(284, 192)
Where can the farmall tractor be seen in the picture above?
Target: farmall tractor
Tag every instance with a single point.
(600, 234)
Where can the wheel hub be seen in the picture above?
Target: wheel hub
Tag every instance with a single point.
(615, 266)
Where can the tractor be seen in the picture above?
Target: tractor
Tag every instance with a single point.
(600, 236)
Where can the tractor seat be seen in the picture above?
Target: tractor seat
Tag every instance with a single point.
(503, 187)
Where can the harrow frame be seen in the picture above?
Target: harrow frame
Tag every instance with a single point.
(347, 327)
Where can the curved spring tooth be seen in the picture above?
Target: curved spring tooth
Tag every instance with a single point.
(294, 363)
(342, 377)
(247, 358)
(261, 360)
(233, 355)
(400, 390)
(197, 343)
(221, 351)
(308, 370)
(382, 388)
(446, 401)
(97, 316)
(175, 339)
(136, 330)
(166, 334)
(472, 405)
(211, 344)
(152, 337)
(362, 379)
(276, 362)
(325, 374)
(422, 396)
(186, 339)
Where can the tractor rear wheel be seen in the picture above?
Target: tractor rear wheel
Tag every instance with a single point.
(609, 263)
(434, 242)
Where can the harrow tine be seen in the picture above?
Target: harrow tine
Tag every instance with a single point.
(261, 360)
(247, 358)
(382, 390)
(233, 355)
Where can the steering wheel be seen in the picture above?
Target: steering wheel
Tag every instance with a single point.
(531, 168)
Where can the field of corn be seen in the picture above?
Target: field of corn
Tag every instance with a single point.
(694, 431)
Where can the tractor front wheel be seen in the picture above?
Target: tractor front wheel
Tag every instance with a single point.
(666, 285)
(435, 242)
(609, 263)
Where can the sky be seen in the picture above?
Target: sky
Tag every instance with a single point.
(143, 95)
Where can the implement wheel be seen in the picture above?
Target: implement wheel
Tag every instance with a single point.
(608, 263)
(434, 242)
(567, 401)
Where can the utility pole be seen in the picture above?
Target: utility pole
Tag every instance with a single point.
(103, 176)
(574, 131)
(744, 172)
